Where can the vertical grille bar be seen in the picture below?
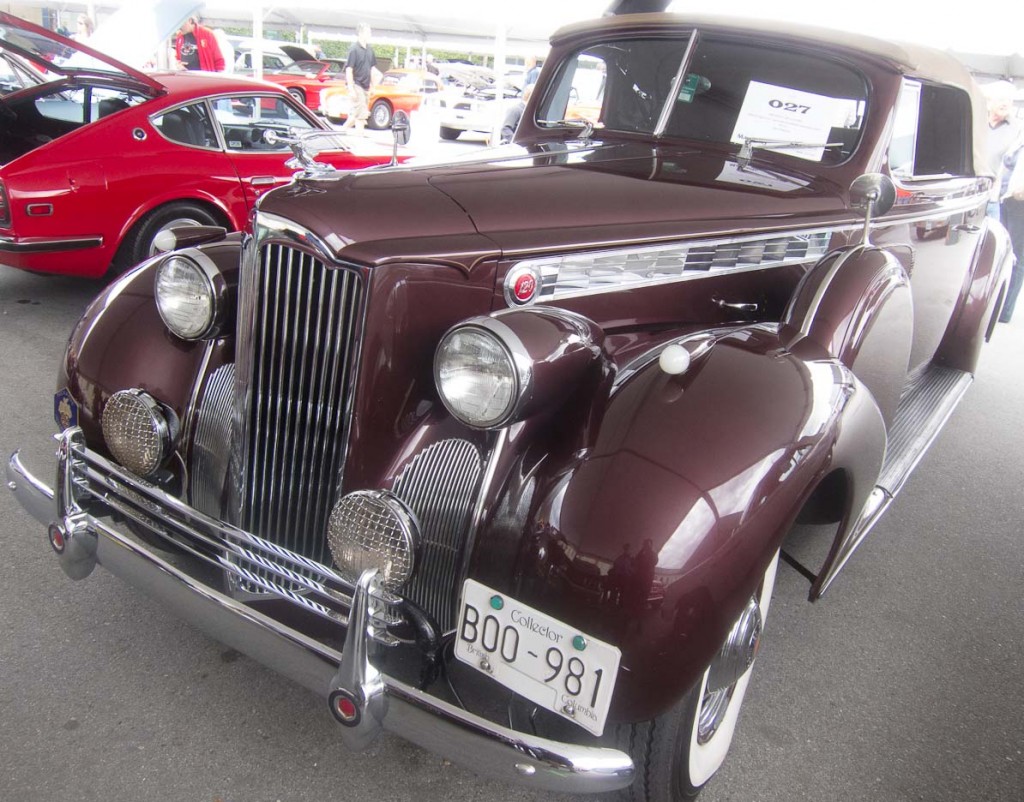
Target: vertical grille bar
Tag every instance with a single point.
(305, 319)
(439, 486)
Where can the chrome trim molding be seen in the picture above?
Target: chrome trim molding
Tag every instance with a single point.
(677, 83)
(464, 738)
(819, 294)
(587, 273)
(13, 245)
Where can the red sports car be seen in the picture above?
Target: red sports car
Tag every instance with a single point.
(97, 162)
(306, 80)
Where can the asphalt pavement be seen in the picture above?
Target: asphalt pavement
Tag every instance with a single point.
(904, 683)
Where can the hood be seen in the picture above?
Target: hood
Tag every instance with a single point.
(56, 54)
(562, 196)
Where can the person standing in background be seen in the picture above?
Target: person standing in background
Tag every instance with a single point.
(1003, 131)
(361, 73)
(197, 49)
(532, 72)
(1011, 212)
(84, 28)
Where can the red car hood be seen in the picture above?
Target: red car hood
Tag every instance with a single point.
(549, 200)
(56, 54)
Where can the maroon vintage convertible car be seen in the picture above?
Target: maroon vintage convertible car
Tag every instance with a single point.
(500, 455)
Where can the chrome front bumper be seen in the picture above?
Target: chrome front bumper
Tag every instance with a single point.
(84, 538)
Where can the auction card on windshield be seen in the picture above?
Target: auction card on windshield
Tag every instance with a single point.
(789, 115)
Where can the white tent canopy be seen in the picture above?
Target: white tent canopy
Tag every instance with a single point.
(988, 35)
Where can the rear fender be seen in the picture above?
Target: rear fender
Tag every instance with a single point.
(971, 324)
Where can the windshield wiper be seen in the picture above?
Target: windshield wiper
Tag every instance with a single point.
(586, 127)
(750, 142)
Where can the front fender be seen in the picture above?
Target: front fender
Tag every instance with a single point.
(657, 533)
(120, 342)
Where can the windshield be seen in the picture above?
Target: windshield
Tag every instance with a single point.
(731, 92)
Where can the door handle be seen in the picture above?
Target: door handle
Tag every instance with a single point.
(263, 181)
(736, 307)
(967, 228)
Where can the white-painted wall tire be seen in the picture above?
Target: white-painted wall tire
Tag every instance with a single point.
(671, 764)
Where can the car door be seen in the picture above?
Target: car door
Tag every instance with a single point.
(941, 201)
(199, 164)
(243, 121)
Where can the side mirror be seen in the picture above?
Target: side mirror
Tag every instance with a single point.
(401, 130)
(872, 194)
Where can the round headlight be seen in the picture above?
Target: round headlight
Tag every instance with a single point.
(476, 376)
(373, 529)
(137, 431)
(187, 295)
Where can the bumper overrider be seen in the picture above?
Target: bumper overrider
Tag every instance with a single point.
(79, 512)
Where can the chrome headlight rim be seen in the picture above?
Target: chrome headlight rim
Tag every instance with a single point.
(164, 423)
(519, 359)
(216, 288)
(407, 525)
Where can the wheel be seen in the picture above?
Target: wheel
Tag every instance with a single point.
(451, 134)
(380, 114)
(140, 244)
(298, 94)
(677, 753)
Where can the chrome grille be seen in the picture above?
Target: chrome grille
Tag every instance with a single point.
(211, 446)
(439, 486)
(297, 342)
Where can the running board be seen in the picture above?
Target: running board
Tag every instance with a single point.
(928, 400)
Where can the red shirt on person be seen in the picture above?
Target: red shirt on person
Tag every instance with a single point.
(207, 49)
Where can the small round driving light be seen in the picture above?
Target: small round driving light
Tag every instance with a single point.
(373, 529)
(137, 431)
(476, 377)
(188, 292)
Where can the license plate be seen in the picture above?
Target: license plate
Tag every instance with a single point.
(550, 663)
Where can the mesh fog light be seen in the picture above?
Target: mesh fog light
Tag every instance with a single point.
(137, 430)
(373, 529)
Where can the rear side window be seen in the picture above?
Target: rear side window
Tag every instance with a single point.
(187, 125)
(84, 104)
(931, 133)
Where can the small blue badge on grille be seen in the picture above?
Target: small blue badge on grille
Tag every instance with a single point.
(65, 410)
